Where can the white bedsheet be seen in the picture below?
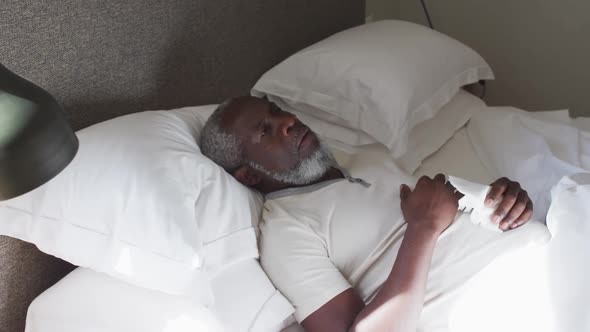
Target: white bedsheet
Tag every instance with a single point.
(544, 289)
(535, 148)
(539, 289)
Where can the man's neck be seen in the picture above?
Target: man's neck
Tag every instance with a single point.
(331, 174)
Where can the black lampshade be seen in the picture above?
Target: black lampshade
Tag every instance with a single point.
(36, 141)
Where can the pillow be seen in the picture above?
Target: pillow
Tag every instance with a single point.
(383, 78)
(85, 300)
(88, 301)
(246, 299)
(424, 139)
(140, 202)
(429, 136)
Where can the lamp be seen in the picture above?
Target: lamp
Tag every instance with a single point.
(36, 141)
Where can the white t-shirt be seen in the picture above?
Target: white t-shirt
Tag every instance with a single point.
(317, 241)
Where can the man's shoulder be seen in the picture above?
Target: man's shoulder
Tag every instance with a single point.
(284, 220)
(291, 206)
(280, 218)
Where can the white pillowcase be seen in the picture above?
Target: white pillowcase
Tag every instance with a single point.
(85, 300)
(246, 299)
(424, 139)
(383, 78)
(429, 136)
(88, 301)
(141, 203)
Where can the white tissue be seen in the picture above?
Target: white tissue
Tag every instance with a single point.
(473, 200)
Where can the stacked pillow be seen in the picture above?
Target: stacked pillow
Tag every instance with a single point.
(378, 80)
(141, 204)
(85, 300)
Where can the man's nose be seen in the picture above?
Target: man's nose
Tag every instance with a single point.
(287, 123)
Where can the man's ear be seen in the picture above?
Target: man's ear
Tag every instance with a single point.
(246, 176)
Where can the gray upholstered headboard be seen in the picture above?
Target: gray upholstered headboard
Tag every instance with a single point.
(105, 58)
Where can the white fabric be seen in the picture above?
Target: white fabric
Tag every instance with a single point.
(246, 300)
(569, 253)
(424, 139)
(306, 241)
(456, 157)
(383, 78)
(534, 148)
(542, 289)
(430, 135)
(474, 196)
(139, 202)
(88, 301)
(84, 301)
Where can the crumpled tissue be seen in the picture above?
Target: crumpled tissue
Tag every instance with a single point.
(473, 201)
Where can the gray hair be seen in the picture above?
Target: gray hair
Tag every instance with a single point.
(306, 171)
(225, 149)
(217, 143)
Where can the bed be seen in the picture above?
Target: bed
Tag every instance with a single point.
(92, 300)
(186, 69)
(89, 299)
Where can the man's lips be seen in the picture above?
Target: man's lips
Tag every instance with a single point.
(302, 137)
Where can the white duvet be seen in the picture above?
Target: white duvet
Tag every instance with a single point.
(538, 289)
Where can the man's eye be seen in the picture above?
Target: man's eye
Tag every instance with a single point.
(264, 130)
(274, 109)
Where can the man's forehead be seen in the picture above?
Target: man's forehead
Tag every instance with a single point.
(244, 112)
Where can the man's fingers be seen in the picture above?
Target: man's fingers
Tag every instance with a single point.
(524, 217)
(423, 179)
(440, 178)
(513, 191)
(514, 208)
(498, 188)
(404, 192)
(443, 179)
(508, 201)
(517, 209)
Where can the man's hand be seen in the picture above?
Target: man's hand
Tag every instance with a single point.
(432, 205)
(515, 207)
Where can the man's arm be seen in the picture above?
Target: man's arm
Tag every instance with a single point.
(407, 278)
(428, 210)
(398, 304)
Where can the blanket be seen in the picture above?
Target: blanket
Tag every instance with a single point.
(542, 288)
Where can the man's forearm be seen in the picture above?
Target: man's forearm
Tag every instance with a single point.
(398, 304)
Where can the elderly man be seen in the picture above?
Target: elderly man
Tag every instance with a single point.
(329, 240)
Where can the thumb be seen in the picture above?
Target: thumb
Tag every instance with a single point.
(404, 192)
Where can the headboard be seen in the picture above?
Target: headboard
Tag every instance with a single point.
(105, 58)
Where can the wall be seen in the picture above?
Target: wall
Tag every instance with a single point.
(539, 49)
(381, 9)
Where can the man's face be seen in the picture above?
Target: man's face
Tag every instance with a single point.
(272, 138)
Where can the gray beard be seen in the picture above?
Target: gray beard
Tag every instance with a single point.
(306, 171)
